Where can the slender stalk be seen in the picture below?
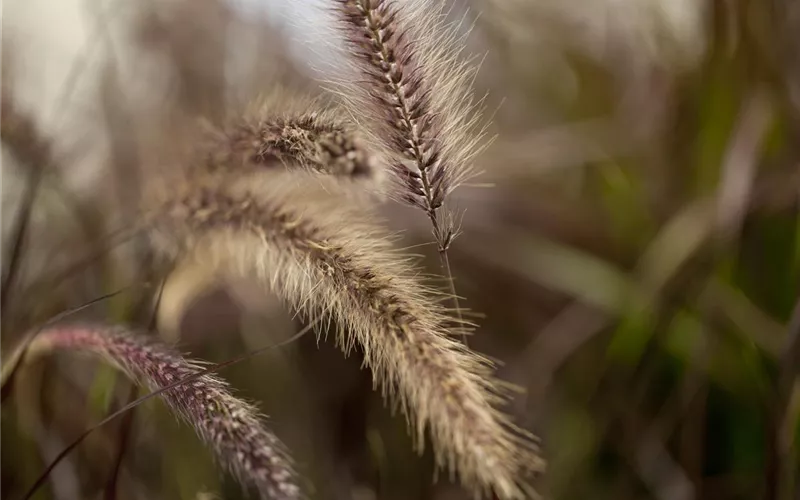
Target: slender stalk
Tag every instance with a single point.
(23, 138)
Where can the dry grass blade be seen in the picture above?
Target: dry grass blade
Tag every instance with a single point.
(290, 236)
(126, 428)
(26, 143)
(232, 428)
(20, 232)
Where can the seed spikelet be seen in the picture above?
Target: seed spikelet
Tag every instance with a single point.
(291, 131)
(231, 428)
(413, 93)
(288, 234)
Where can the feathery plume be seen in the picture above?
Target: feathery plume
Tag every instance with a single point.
(414, 96)
(229, 426)
(289, 235)
(417, 101)
(291, 130)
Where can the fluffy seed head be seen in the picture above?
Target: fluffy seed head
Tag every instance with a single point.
(291, 131)
(230, 427)
(289, 235)
(413, 94)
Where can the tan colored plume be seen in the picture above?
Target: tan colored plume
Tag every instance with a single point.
(290, 130)
(328, 260)
(405, 83)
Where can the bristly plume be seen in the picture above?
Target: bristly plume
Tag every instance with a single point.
(232, 429)
(289, 235)
(413, 94)
(291, 131)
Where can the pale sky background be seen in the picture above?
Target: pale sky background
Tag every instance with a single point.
(55, 34)
(57, 39)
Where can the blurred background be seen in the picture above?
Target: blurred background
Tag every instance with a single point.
(630, 252)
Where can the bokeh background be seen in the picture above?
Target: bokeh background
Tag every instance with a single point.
(630, 253)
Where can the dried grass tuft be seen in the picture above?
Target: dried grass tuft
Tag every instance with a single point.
(413, 94)
(231, 428)
(329, 261)
(292, 131)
